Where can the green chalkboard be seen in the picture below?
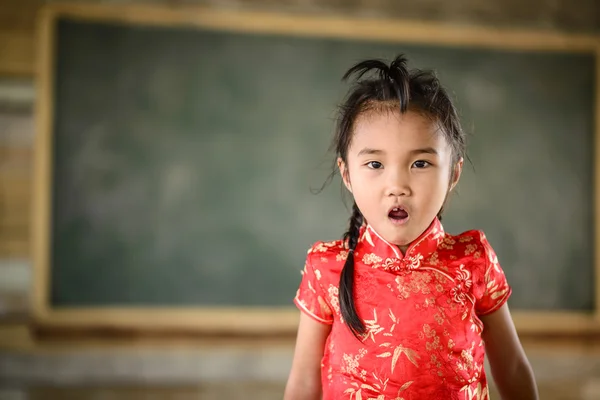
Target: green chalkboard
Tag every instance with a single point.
(184, 160)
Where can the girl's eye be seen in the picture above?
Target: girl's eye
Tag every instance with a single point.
(375, 164)
(421, 164)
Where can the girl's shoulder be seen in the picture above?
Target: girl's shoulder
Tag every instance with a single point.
(470, 248)
(328, 249)
(329, 256)
(473, 239)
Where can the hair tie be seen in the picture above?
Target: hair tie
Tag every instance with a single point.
(351, 251)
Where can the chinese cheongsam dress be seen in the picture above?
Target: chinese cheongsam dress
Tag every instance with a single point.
(421, 311)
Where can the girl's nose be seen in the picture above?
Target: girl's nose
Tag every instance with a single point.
(398, 185)
(398, 191)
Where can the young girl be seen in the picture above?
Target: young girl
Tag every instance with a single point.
(400, 309)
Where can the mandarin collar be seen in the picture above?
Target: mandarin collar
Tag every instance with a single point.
(427, 243)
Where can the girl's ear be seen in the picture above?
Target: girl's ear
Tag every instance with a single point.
(457, 170)
(344, 173)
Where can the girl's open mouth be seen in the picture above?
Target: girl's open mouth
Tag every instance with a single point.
(398, 215)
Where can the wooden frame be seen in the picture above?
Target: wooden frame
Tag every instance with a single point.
(280, 320)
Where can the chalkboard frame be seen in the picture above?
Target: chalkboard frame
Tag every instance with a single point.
(278, 321)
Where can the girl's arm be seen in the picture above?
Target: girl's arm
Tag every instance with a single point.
(304, 382)
(510, 368)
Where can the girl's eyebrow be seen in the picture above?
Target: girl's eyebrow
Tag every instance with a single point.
(369, 151)
(426, 150)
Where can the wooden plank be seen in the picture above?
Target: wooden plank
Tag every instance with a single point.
(14, 215)
(280, 320)
(15, 239)
(14, 211)
(18, 15)
(15, 155)
(597, 188)
(368, 29)
(17, 34)
(17, 335)
(15, 202)
(12, 185)
(15, 198)
(14, 224)
(17, 54)
(15, 193)
(42, 164)
(14, 227)
(14, 230)
(16, 115)
(15, 248)
(13, 220)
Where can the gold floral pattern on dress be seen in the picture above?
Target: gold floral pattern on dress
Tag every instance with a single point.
(439, 317)
(433, 259)
(439, 287)
(398, 350)
(448, 243)
(429, 302)
(413, 262)
(371, 258)
(342, 256)
(324, 307)
(394, 321)
(356, 391)
(389, 349)
(478, 392)
(389, 264)
(323, 247)
(461, 289)
(466, 362)
(417, 282)
(334, 299)
(429, 332)
(317, 274)
(381, 384)
(351, 363)
(435, 348)
(311, 288)
(372, 327)
(470, 249)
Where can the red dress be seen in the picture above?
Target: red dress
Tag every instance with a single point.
(421, 311)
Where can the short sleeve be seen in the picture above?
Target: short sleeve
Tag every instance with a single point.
(310, 297)
(491, 287)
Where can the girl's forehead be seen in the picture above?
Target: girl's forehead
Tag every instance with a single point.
(397, 130)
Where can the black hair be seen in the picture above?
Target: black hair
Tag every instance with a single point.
(394, 87)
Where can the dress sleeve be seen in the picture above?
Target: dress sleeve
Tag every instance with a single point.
(491, 287)
(310, 297)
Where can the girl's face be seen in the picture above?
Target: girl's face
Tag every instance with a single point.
(399, 170)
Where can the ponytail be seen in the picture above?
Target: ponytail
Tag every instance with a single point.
(346, 287)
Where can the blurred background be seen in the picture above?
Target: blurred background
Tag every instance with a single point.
(182, 169)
